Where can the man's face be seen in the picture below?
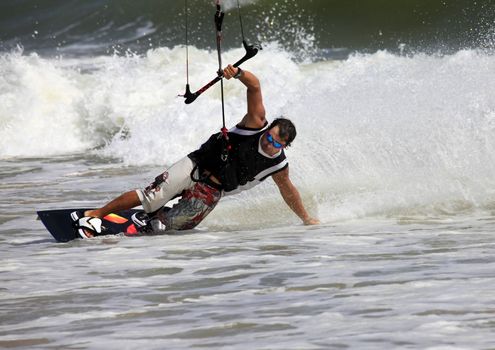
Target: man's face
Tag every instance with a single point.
(271, 142)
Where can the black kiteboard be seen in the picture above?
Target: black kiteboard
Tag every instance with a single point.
(60, 225)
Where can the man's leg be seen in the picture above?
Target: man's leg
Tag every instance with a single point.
(196, 203)
(88, 226)
(167, 185)
(157, 194)
(125, 201)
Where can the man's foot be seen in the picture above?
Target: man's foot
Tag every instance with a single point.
(140, 220)
(146, 224)
(87, 226)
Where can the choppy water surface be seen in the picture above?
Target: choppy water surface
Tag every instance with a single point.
(397, 282)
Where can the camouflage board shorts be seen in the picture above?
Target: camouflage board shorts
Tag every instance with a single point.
(197, 199)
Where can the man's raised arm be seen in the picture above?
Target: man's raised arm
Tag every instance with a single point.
(255, 117)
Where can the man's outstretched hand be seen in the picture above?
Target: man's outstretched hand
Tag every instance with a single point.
(311, 221)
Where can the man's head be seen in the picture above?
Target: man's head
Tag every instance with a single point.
(286, 130)
(279, 134)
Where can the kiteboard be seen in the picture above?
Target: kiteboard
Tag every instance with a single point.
(60, 225)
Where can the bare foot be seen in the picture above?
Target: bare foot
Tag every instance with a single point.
(91, 213)
(88, 233)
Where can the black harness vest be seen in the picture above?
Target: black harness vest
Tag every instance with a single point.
(245, 166)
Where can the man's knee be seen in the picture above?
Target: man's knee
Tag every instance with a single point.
(196, 203)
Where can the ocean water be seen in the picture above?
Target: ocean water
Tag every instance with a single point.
(395, 155)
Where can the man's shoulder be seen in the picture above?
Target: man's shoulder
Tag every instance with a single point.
(248, 130)
(253, 122)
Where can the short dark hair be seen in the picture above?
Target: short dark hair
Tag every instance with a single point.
(287, 129)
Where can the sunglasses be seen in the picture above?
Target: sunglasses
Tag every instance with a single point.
(274, 143)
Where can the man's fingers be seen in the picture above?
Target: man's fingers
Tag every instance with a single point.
(229, 71)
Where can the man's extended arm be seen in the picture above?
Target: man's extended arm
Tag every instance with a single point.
(291, 196)
(255, 117)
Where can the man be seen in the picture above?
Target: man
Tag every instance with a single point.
(251, 152)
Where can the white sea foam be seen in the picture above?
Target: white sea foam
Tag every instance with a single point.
(377, 134)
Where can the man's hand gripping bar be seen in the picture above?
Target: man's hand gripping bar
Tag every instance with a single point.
(251, 51)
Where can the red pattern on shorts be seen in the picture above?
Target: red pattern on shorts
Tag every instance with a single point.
(196, 203)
